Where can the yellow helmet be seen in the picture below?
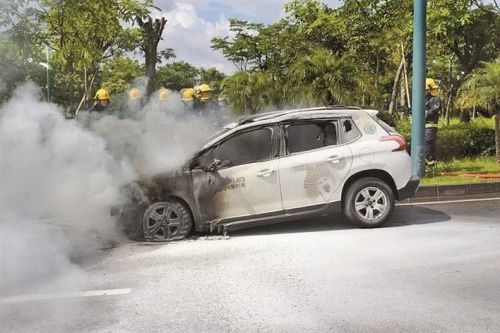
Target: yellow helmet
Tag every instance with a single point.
(134, 93)
(204, 92)
(164, 94)
(204, 87)
(430, 84)
(102, 94)
(188, 94)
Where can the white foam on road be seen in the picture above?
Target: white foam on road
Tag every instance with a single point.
(77, 294)
(445, 202)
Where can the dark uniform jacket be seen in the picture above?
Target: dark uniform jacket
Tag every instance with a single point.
(432, 110)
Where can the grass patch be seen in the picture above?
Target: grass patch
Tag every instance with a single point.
(486, 164)
(479, 165)
(454, 180)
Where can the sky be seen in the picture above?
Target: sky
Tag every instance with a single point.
(192, 24)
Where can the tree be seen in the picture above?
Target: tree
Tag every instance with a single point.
(247, 92)
(315, 25)
(82, 36)
(20, 55)
(242, 50)
(118, 73)
(482, 88)
(323, 78)
(212, 77)
(462, 29)
(177, 75)
(152, 31)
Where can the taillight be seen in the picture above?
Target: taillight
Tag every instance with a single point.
(396, 138)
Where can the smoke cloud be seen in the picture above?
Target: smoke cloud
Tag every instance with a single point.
(59, 179)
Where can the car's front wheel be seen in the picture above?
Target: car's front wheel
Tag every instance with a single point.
(369, 202)
(166, 221)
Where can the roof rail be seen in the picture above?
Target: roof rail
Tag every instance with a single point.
(340, 107)
(279, 113)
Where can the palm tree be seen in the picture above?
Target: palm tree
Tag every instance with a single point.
(249, 92)
(482, 88)
(323, 77)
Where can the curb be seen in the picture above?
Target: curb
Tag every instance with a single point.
(455, 192)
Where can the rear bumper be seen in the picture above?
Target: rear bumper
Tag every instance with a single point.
(410, 188)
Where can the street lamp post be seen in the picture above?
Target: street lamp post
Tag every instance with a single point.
(418, 87)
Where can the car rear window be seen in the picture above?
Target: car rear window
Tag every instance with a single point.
(310, 136)
(349, 131)
(385, 126)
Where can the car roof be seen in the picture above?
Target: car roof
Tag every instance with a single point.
(292, 114)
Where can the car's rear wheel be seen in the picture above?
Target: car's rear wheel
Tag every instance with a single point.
(166, 221)
(369, 202)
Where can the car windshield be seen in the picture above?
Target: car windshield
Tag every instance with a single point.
(216, 134)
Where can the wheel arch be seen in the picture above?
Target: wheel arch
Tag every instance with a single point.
(375, 173)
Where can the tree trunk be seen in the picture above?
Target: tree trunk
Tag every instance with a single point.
(395, 86)
(402, 92)
(151, 32)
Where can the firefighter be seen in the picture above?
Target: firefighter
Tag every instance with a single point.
(207, 106)
(102, 101)
(164, 94)
(134, 103)
(188, 98)
(432, 110)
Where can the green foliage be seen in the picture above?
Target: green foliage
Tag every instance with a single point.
(323, 78)
(482, 88)
(118, 74)
(243, 51)
(459, 140)
(213, 78)
(177, 75)
(18, 64)
(469, 33)
(248, 92)
(82, 36)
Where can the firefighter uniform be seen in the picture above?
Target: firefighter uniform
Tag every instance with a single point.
(432, 111)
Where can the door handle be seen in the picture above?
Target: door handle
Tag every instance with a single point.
(333, 159)
(265, 173)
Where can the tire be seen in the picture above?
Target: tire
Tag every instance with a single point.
(166, 221)
(369, 202)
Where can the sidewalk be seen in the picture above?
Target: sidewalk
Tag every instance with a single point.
(455, 192)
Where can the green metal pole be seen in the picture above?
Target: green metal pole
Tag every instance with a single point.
(418, 88)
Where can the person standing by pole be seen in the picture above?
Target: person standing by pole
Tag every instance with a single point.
(432, 110)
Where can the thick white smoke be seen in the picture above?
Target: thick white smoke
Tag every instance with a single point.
(59, 179)
(157, 138)
(57, 184)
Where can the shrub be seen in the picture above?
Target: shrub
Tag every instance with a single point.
(458, 140)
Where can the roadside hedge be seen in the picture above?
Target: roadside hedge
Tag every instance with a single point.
(459, 140)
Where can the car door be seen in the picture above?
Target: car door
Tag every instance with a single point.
(314, 165)
(249, 176)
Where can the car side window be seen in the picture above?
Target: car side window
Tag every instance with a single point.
(310, 136)
(349, 131)
(247, 147)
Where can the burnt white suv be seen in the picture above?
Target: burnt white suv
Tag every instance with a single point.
(275, 167)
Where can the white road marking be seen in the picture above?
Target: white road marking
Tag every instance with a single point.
(445, 202)
(77, 294)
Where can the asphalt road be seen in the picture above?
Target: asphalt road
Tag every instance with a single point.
(436, 268)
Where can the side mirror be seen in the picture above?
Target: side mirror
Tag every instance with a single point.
(215, 165)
